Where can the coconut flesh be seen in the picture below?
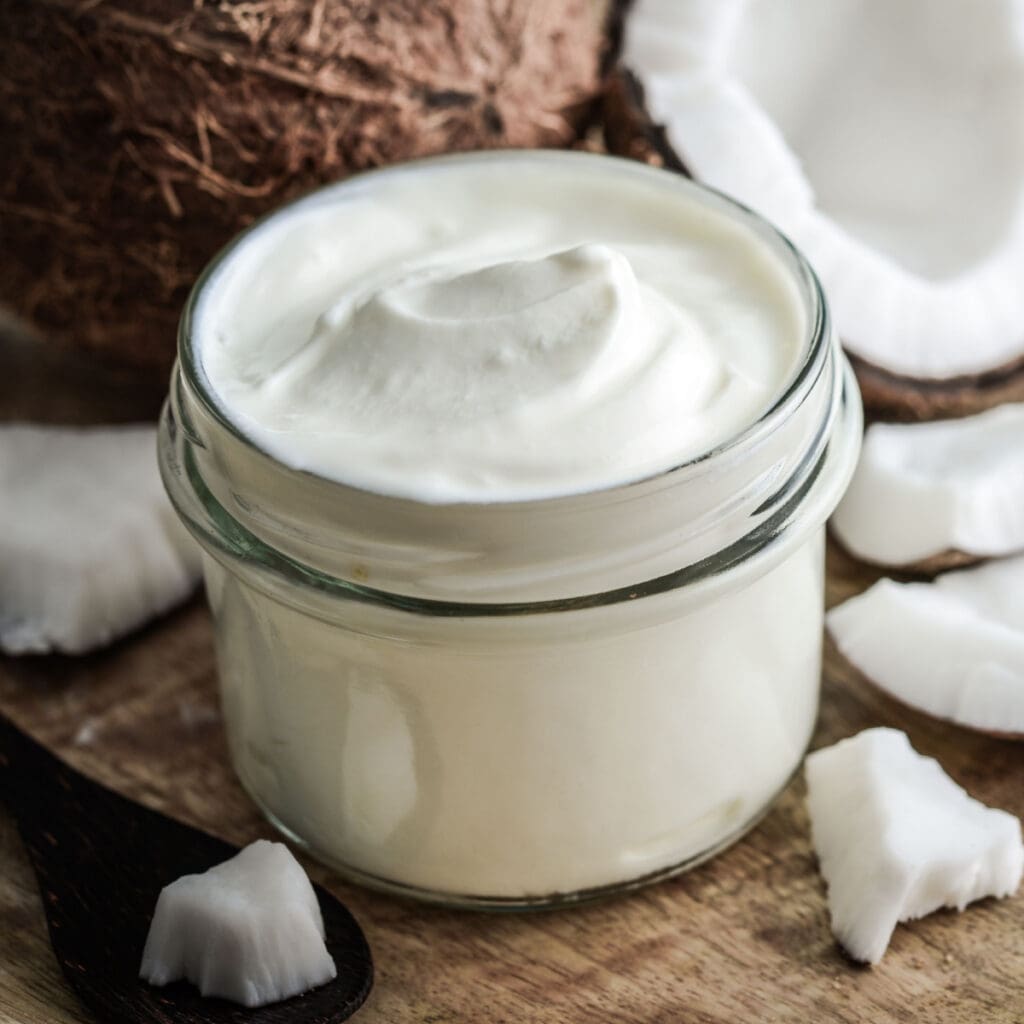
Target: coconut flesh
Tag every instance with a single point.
(89, 543)
(249, 930)
(885, 139)
(953, 648)
(928, 492)
(897, 838)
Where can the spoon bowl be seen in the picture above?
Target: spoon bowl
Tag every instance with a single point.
(101, 861)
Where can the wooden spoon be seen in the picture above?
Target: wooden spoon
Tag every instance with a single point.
(101, 861)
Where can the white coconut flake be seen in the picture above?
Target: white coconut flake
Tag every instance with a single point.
(249, 930)
(885, 139)
(926, 488)
(953, 648)
(897, 838)
(89, 544)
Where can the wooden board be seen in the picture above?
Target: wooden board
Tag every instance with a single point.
(743, 938)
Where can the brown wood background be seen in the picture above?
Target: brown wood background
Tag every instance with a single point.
(743, 938)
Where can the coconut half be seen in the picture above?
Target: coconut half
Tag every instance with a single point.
(139, 137)
(953, 648)
(897, 838)
(937, 494)
(887, 141)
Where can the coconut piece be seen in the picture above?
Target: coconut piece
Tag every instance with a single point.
(953, 648)
(897, 838)
(89, 544)
(937, 492)
(140, 135)
(249, 930)
(886, 141)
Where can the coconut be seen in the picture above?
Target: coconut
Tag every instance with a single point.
(933, 495)
(89, 543)
(141, 135)
(886, 140)
(249, 930)
(953, 648)
(897, 838)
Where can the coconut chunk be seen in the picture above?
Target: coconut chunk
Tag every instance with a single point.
(953, 648)
(897, 838)
(885, 139)
(89, 543)
(249, 930)
(924, 489)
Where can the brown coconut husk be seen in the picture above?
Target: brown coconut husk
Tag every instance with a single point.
(140, 135)
(890, 397)
(630, 131)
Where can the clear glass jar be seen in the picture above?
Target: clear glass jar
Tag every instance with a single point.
(530, 703)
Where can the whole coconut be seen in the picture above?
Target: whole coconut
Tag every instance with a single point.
(140, 135)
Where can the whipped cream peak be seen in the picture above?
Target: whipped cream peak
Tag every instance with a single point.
(479, 351)
(467, 345)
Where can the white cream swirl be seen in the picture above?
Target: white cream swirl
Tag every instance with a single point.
(455, 361)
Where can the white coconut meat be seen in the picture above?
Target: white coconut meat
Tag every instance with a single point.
(927, 488)
(897, 838)
(89, 543)
(953, 648)
(885, 138)
(249, 930)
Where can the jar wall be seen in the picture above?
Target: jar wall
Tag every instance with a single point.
(586, 692)
(501, 759)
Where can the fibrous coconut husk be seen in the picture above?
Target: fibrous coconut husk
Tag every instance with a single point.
(140, 135)
(630, 131)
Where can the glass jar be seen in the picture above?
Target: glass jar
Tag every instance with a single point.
(527, 703)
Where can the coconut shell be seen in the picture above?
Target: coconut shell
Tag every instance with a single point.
(629, 130)
(141, 135)
(890, 397)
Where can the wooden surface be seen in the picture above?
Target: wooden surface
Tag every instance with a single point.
(743, 938)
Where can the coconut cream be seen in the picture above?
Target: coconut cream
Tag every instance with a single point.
(476, 333)
(512, 470)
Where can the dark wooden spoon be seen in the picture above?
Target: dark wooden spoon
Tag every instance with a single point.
(101, 861)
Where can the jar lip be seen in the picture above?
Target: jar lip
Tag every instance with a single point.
(763, 547)
(819, 333)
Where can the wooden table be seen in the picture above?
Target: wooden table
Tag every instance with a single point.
(743, 938)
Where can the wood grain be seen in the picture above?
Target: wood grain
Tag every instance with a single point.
(743, 938)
